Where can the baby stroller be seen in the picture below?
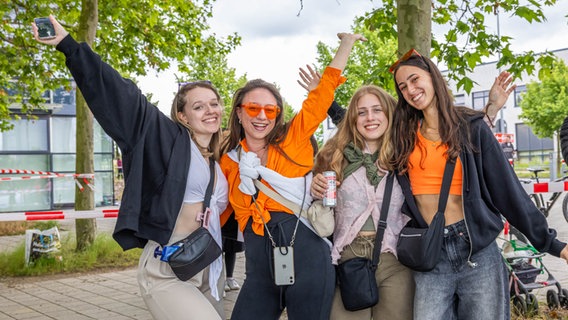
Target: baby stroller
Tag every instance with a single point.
(526, 273)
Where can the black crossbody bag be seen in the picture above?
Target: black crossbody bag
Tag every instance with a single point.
(195, 252)
(356, 277)
(420, 248)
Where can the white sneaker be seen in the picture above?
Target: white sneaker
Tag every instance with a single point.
(232, 284)
(227, 288)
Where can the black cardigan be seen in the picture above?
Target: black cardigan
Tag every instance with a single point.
(156, 151)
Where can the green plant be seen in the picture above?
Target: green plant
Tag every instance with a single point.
(105, 253)
(44, 225)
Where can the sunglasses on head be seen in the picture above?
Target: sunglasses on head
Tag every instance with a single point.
(406, 56)
(253, 109)
(183, 84)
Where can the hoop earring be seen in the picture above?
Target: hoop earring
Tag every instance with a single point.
(240, 121)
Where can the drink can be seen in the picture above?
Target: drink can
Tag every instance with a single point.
(330, 198)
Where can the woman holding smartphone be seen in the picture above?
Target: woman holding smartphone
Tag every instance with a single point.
(160, 204)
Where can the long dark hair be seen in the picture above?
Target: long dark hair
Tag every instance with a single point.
(453, 123)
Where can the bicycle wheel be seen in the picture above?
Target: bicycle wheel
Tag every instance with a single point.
(539, 203)
(564, 139)
(565, 208)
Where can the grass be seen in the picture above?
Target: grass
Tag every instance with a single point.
(544, 314)
(11, 228)
(105, 253)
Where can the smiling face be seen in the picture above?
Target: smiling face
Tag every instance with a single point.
(202, 112)
(257, 128)
(372, 122)
(416, 87)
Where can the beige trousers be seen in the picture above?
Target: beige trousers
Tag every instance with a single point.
(167, 297)
(396, 286)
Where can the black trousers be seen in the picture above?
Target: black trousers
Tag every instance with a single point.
(311, 295)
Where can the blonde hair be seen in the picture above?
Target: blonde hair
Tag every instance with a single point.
(213, 149)
(330, 157)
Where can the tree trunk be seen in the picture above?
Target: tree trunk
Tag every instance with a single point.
(414, 26)
(85, 229)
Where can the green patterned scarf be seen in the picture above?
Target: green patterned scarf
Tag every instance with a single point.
(357, 158)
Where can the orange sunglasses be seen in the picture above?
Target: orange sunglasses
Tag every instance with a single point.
(253, 109)
(406, 56)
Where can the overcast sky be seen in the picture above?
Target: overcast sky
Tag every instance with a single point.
(276, 41)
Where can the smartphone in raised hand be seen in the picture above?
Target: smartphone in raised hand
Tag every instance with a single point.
(45, 28)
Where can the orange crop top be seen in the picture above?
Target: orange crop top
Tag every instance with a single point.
(428, 178)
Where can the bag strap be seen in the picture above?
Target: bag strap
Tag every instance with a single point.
(446, 182)
(276, 196)
(209, 191)
(283, 201)
(383, 219)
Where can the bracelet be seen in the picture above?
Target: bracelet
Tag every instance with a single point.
(490, 121)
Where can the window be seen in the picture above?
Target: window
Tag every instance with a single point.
(519, 90)
(460, 100)
(24, 195)
(103, 143)
(63, 131)
(62, 96)
(530, 145)
(27, 135)
(479, 99)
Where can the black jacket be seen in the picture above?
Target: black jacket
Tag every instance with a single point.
(490, 189)
(156, 151)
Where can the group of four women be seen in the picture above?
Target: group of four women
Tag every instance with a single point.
(166, 166)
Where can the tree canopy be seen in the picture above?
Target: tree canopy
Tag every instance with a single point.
(130, 37)
(468, 39)
(545, 104)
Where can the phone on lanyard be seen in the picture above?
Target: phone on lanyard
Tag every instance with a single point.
(284, 266)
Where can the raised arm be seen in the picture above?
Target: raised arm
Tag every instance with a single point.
(117, 103)
(342, 55)
(498, 95)
(309, 80)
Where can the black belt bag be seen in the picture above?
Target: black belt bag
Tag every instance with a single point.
(195, 252)
(420, 248)
(356, 277)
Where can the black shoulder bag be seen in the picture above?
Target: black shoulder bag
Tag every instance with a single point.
(195, 252)
(420, 248)
(356, 277)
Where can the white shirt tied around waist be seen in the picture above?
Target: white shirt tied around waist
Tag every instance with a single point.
(296, 189)
(197, 181)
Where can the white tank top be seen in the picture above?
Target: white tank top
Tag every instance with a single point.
(198, 179)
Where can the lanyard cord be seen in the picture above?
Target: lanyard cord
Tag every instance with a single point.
(297, 221)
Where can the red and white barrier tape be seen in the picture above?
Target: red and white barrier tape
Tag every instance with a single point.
(48, 175)
(19, 171)
(545, 187)
(58, 215)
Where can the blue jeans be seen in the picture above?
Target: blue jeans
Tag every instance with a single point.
(456, 290)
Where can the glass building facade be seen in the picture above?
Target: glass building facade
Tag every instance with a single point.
(47, 143)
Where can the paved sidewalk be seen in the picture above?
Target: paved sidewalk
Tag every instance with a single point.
(109, 296)
(115, 295)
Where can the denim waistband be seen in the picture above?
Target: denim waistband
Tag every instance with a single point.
(455, 229)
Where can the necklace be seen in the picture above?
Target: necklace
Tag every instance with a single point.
(431, 135)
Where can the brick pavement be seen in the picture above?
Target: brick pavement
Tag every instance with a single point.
(110, 296)
(115, 295)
